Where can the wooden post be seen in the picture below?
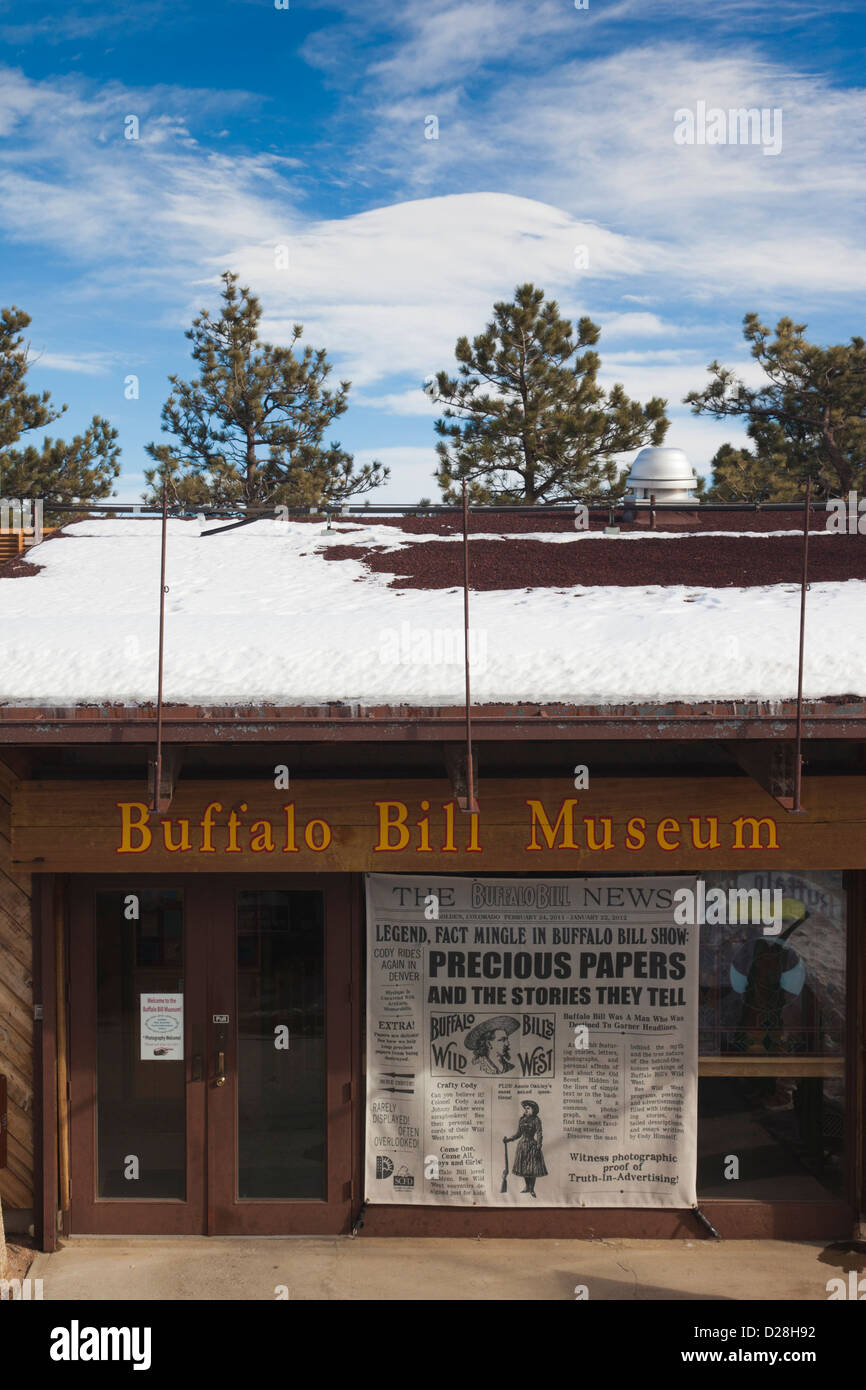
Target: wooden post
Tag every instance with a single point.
(855, 1061)
(62, 1058)
(45, 1061)
(804, 584)
(4, 1258)
(158, 805)
(471, 803)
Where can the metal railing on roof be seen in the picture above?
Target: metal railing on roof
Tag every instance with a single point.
(334, 509)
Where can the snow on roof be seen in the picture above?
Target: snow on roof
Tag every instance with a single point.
(280, 613)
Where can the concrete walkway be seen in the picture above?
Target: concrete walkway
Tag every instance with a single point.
(192, 1267)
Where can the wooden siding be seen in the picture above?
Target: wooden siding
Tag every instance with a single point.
(15, 543)
(76, 827)
(16, 1009)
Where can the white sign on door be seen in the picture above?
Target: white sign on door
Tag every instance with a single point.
(161, 1027)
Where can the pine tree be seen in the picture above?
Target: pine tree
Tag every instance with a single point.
(809, 416)
(55, 471)
(739, 475)
(249, 428)
(525, 420)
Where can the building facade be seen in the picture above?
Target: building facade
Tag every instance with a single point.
(184, 1029)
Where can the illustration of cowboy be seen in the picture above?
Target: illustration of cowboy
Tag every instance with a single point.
(488, 1043)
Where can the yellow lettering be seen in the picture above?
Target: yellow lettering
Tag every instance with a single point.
(207, 827)
(564, 819)
(387, 823)
(263, 842)
(449, 846)
(713, 842)
(591, 843)
(184, 836)
(290, 847)
(310, 838)
(233, 847)
(127, 825)
(755, 826)
(424, 826)
(665, 827)
(635, 830)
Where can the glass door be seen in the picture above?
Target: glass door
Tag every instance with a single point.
(280, 1122)
(281, 1073)
(137, 1087)
(210, 1044)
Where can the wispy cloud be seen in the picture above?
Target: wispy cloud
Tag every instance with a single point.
(83, 21)
(84, 364)
(71, 179)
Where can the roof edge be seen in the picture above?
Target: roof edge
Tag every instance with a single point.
(836, 717)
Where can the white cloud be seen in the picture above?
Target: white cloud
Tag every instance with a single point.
(84, 364)
(459, 38)
(700, 437)
(131, 211)
(592, 141)
(412, 469)
(594, 136)
(639, 325)
(414, 401)
(391, 290)
(655, 376)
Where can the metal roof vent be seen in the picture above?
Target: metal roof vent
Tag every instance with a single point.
(661, 472)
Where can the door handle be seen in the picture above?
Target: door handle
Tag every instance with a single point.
(220, 1077)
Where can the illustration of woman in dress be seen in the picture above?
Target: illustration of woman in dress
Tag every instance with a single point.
(528, 1159)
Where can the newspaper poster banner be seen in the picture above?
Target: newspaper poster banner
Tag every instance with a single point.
(531, 1042)
(161, 1027)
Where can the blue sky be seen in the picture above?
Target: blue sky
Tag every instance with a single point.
(305, 127)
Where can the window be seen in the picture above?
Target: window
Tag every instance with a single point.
(772, 1042)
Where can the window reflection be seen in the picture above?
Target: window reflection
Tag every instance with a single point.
(772, 1040)
(141, 1103)
(281, 1044)
(765, 995)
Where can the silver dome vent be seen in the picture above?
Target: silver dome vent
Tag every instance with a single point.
(662, 472)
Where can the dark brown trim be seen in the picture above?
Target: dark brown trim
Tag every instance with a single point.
(855, 1089)
(359, 1032)
(733, 1221)
(38, 1086)
(45, 1061)
(338, 723)
(61, 905)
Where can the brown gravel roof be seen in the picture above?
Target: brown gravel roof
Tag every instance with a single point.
(703, 561)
